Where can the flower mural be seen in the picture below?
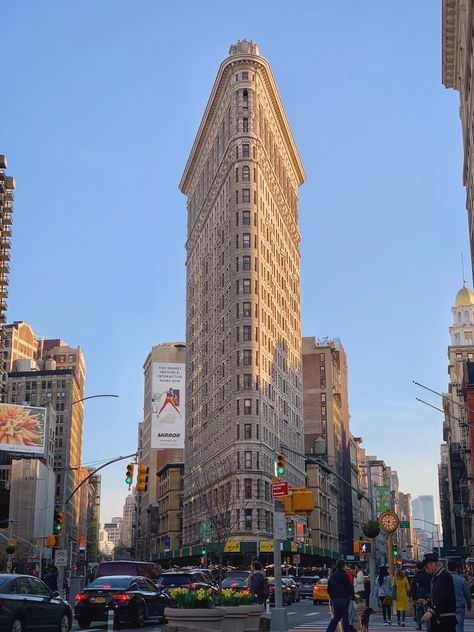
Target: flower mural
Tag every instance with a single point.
(22, 428)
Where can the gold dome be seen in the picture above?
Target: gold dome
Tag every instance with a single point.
(465, 296)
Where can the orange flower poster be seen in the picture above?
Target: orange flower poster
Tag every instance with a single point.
(22, 429)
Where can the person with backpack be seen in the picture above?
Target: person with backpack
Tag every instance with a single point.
(258, 583)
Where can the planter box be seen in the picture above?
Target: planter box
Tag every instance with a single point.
(192, 618)
(254, 613)
(235, 617)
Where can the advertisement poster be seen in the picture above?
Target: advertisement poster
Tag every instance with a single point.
(168, 405)
(382, 493)
(22, 429)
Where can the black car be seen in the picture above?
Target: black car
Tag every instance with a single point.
(26, 603)
(185, 579)
(237, 580)
(133, 599)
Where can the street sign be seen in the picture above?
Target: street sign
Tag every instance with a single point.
(60, 558)
(404, 524)
(279, 525)
(205, 531)
(279, 489)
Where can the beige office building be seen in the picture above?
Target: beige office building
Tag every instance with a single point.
(457, 63)
(243, 316)
(7, 186)
(173, 353)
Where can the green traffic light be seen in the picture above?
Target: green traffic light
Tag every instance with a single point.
(128, 480)
(281, 470)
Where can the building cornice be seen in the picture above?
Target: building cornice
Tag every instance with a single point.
(455, 14)
(228, 66)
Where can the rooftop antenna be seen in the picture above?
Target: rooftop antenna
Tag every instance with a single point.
(462, 266)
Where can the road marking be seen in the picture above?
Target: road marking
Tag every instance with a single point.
(311, 614)
(294, 612)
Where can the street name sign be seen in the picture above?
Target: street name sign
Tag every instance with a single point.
(279, 489)
(404, 524)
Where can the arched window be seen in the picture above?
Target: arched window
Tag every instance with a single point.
(466, 316)
(459, 317)
(245, 173)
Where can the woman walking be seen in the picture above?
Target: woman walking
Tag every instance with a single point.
(402, 590)
(384, 594)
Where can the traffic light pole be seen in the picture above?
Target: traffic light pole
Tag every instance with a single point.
(279, 619)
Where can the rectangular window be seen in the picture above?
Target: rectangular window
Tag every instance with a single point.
(246, 286)
(323, 397)
(247, 332)
(247, 382)
(248, 519)
(245, 195)
(247, 406)
(246, 263)
(246, 310)
(247, 488)
(247, 431)
(248, 460)
(245, 125)
(323, 411)
(246, 240)
(322, 369)
(322, 383)
(247, 357)
(246, 218)
(237, 197)
(245, 76)
(245, 151)
(267, 490)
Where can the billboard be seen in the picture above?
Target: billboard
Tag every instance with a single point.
(22, 429)
(167, 405)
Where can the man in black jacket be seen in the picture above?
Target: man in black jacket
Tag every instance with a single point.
(340, 590)
(420, 591)
(442, 610)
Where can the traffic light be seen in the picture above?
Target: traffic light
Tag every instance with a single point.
(129, 474)
(289, 527)
(58, 522)
(142, 478)
(281, 464)
(203, 550)
(395, 551)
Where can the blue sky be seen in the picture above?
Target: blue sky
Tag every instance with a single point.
(100, 105)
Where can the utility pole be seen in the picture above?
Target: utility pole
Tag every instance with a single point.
(372, 557)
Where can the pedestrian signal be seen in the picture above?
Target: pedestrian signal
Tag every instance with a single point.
(281, 464)
(58, 522)
(129, 474)
(142, 478)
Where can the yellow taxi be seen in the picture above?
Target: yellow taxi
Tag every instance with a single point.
(320, 591)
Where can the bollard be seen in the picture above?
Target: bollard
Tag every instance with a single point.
(110, 619)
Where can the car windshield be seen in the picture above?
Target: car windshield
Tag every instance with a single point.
(235, 574)
(174, 580)
(110, 582)
(308, 580)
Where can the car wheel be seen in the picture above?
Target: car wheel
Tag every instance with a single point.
(17, 626)
(140, 618)
(64, 625)
(83, 623)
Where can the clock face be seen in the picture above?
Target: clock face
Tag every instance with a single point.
(388, 521)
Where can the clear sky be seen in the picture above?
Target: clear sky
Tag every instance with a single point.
(100, 105)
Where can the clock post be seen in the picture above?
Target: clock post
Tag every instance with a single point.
(389, 522)
(390, 553)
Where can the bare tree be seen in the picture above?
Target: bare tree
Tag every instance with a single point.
(221, 502)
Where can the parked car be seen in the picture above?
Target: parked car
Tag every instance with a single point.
(286, 592)
(294, 587)
(130, 568)
(134, 599)
(238, 580)
(184, 579)
(320, 591)
(307, 584)
(209, 575)
(26, 603)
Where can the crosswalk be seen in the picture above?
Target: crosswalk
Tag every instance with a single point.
(321, 626)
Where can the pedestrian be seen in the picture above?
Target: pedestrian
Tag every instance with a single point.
(442, 609)
(401, 590)
(51, 579)
(463, 595)
(384, 594)
(359, 587)
(420, 591)
(258, 582)
(340, 590)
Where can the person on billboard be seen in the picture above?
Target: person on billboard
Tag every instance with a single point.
(171, 398)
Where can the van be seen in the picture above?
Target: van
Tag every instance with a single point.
(129, 567)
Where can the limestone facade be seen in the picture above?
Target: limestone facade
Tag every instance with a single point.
(243, 313)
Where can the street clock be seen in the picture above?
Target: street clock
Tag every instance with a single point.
(389, 521)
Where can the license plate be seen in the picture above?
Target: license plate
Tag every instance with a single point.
(98, 599)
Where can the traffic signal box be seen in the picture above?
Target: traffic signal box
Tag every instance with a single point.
(129, 475)
(362, 547)
(281, 464)
(142, 478)
(51, 541)
(300, 501)
(58, 522)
